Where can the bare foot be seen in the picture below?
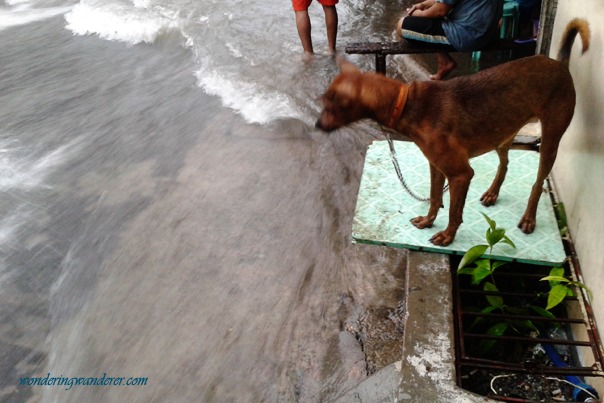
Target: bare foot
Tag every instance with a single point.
(308, 57)
(444, 69)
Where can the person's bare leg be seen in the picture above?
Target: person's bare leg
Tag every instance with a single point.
(303, 25)
(331, 23)
(399, 28)
(446, 64)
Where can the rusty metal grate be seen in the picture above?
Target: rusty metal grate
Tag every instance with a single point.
(575, 327)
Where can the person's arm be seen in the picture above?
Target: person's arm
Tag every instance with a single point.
(420, 6)
(430, 9)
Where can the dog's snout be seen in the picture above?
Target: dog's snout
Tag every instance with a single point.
(324, 124)
(318, 124)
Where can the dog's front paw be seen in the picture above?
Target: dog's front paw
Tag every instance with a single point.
(489, 198)
(527, 224)
(442, 239)
(422, 222)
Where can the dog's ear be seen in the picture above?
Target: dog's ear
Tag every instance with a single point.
(346, 66)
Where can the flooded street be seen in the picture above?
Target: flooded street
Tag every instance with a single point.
(147, 230)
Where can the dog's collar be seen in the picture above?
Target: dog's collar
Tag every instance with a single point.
(400, 105)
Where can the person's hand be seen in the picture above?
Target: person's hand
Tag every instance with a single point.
(415, 7)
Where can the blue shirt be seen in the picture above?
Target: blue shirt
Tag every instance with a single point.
(471, 24)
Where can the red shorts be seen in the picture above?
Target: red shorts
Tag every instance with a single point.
(301, 5)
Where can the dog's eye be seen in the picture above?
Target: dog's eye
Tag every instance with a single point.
(342, 102)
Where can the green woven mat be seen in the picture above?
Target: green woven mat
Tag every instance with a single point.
(384, 209)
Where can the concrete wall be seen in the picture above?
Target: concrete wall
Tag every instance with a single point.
(579, 170)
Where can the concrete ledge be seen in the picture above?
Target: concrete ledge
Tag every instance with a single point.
(428, 364)
(426, 372)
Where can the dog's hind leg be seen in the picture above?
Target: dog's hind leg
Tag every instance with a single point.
(552, 131)
(490, 196)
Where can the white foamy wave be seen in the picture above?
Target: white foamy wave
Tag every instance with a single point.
(234, 51)
(237, 54)
(19, 171)
(22, 14)
(9, 226)
(116, 22)
(254, 104)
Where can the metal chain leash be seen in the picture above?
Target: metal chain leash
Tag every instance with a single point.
(397, 168)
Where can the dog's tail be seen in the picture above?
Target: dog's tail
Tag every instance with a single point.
(576, 26)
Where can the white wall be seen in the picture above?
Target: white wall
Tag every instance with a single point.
(579, 170)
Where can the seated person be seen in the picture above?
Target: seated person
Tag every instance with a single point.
(463, 25)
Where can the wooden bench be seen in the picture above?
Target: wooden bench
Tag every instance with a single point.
(383, 49)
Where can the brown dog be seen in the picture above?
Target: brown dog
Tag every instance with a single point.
(455, 120)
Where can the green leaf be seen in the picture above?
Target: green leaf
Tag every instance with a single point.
(562, 220)
(555, 272)
(508, 241)
(494, 300)
(556, 295)
(479, 319)
(491, 222)
(497, 329)
(555, 280)
(515, 310)
(495, 235)
(542, 312)
(486, 345)
(474, 323)
(523, 324)
(481, 271)
(472, 254)
(578, 284)
(478, 272)
(466, 270)
(489, 309)
(497, 264)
